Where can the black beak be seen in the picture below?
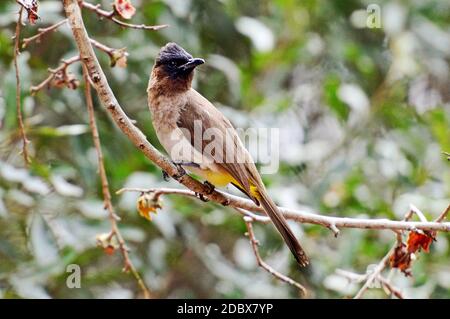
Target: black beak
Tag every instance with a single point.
(191, 64)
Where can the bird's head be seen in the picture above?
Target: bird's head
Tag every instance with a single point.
(175, 65)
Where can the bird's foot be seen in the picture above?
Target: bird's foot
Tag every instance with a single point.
(166, 176)
(209, 187)
(181, 172)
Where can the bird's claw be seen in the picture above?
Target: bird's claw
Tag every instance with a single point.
(181, 172)
(209, 187)
(226, 202)
(166, 176)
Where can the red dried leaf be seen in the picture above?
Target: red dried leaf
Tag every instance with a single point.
(124, 8)
(108, 242)
(401, 259)
(417, 241)
(109, 250)
(31, 6)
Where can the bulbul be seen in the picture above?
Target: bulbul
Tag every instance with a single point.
(200, 139)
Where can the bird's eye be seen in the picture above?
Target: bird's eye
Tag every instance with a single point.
(173, 63)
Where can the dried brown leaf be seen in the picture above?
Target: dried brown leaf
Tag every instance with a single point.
(124, 8)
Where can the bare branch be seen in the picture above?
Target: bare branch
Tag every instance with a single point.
(443, 215)
(116, 56)
(418, 212)
(25, 140)
(375, 273)
(331, 222)
(254, 242)
(103, 47)
(392, 289)
(42, 32)
(105, 189)
(53, 72)
(358, 278)
(111, 16)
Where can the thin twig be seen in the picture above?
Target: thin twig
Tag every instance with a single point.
(392, 289)
(375, 273)
(105, 189)
(358, 278)
(254, 242)
(354, 277)
(53, 72)
(255, 217)
(103, 47)
(25, 140)
(443, 215)
(41, 32)
(111, 16)
(418, 212)
(115, 55)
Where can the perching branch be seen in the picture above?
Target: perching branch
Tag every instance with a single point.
(25, 140)
(109, 101)
(115, 232)
(111, 16)
(307, 217)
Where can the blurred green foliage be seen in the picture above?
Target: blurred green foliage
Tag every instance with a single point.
(363, 114)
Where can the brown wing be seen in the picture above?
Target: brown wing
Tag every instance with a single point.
(199, 115)
(243, 170)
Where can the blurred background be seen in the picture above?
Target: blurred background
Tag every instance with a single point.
(363, 114)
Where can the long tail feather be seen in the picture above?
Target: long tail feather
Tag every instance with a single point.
(280, 223)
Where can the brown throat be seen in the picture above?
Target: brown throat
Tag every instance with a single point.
(163, 84)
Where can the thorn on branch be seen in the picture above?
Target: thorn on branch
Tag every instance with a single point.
(334, 229)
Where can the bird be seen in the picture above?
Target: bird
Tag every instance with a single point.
(183, 119)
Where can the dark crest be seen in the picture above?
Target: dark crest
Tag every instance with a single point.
(172, 52)
(176, 62)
